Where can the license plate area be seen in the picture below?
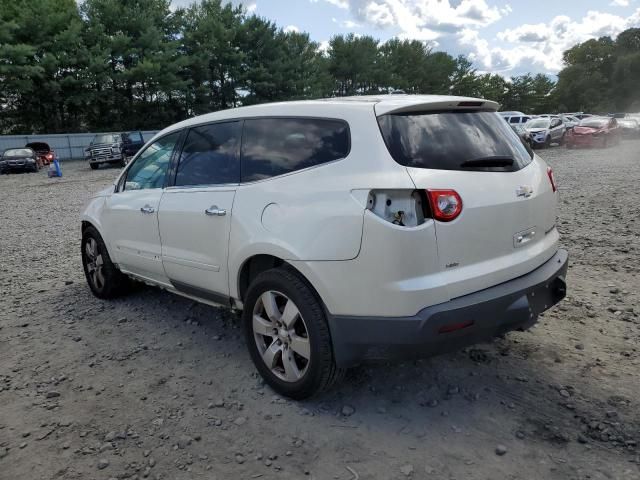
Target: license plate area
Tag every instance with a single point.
(524, 237)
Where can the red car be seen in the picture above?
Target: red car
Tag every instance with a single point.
(594, 132)
(45, 154)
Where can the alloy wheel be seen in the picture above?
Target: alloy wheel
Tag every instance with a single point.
(281, 336)
(94, 263)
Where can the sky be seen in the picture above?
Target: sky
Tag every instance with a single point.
(509, 37)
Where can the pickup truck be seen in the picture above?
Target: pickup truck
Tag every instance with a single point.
(113, 148)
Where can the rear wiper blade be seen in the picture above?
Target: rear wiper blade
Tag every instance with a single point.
(493, 161)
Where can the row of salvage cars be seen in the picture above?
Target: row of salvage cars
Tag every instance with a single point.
(30, 158)
(573, 130)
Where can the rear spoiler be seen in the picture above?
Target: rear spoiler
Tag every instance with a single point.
(405, 105)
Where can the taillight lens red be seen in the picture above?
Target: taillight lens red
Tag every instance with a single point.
(552, 179)
(446, 205)
(49, 156)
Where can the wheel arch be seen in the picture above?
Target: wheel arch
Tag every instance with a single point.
(258, 263)
(91, 218)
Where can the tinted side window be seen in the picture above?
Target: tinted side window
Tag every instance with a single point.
(150, 168)
(275, 146)
(210, 155)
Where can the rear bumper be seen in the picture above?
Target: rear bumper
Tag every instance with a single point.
(478, 317)
(584, 141)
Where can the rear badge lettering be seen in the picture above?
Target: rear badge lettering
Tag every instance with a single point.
(524, 191)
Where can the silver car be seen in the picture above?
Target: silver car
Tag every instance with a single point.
(546, 130)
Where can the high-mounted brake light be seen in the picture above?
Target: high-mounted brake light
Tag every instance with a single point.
(446, 205)
(470, 104)
(552, 179)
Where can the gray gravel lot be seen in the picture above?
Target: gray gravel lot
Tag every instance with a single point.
(157, 386)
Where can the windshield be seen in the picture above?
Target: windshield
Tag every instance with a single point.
(105, 138)
(451, 140)
(594, 122)
(18, 152)
(539, 123)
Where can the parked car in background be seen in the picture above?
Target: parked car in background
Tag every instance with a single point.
(629, 127)
(594, 132)
(524, 135)
(45, 154)
(516, 118)
(569, 120)
(132, 142)
(113, 148)
(546, 130)
(19, 159)
(346, 230)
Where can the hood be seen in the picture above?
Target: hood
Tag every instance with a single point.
(585, 130)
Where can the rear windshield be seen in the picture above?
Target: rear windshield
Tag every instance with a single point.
(458, 140)
(132, 137)
(18, 152)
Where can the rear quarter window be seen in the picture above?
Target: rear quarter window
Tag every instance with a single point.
(452, 140)
(277, 146)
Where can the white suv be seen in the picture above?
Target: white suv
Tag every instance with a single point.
(345, 229)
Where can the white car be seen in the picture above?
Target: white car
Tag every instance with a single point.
(515, 118)
(546, 130)
(345, 229)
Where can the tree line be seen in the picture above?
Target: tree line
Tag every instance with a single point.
(109, 65)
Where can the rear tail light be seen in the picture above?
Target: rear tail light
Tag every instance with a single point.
(446, 205)
(49, 156)
(552, 179)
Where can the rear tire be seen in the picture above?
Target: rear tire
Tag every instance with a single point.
(94, 166)
(287, 334)
(104, 279)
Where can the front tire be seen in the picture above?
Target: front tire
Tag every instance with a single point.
(547, 142)
(287, 334)
(104, 279)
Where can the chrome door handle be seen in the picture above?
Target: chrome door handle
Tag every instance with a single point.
(147, 209)
(214, 211)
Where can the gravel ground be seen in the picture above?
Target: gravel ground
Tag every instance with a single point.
(157, 386)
